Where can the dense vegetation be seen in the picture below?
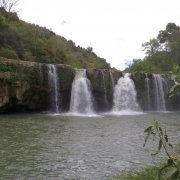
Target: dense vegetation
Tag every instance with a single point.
(162, 52)
(29, 42)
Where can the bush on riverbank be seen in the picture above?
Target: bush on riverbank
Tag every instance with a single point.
(148, 173)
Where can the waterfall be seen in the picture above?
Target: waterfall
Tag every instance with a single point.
(53, 83)
(81, 98)
(125, 95)
(148, 92)
(159, 93)
(40, 73)
(103, 89)
(111, 82)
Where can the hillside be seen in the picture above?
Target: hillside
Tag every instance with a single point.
(30, 42)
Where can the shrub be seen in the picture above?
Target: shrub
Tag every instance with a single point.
(5, 52)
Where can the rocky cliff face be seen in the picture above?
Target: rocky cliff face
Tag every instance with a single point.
(24, 86)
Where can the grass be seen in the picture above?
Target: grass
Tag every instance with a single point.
(148, 173)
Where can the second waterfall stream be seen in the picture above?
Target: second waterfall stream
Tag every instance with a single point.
(125, 98)
(81, 97)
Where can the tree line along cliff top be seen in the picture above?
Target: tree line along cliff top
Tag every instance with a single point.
(162, 52)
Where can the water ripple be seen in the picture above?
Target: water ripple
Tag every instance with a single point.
(66, 147)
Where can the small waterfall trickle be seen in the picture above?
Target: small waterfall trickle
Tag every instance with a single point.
(125, 95)
(40, 73)
(148, 92)
(81, 97)
(160, 104)
(53, 83)
(111, 82)
(103, 89)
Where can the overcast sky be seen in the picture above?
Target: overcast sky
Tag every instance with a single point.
(114, 28)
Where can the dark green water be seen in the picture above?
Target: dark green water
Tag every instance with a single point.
(36, 146)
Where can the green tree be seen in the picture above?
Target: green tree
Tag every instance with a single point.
(151, 47)
(27, 56)
(89, 49)
(170, 38)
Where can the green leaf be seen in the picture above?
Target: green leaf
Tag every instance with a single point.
(160, 171)
(170, 172)
(173, 76)
(170, 162)
(166, 137)
(161, 131)
(170, 72)
(176, 68)
(149, 128)
(149, 132)
(153, 120)
(160, 145)
(175, 175)
(170, 145)
(174, 90)
(155, 153)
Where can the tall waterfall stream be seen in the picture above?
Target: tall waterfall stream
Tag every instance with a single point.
(54, 88)
(125, 95)
(81, 97)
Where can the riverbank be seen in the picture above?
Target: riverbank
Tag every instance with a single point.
(148, 173)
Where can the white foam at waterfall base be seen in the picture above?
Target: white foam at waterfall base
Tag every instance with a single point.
(79, 115)
(124, 98)
(81, 97)
(126, 112)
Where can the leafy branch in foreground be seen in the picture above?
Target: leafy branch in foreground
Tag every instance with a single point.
(170, 170)
(176, 88)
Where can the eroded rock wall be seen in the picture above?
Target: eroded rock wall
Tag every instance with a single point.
(94, 75)
(22, 87)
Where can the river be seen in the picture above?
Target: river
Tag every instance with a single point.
(35, 146)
